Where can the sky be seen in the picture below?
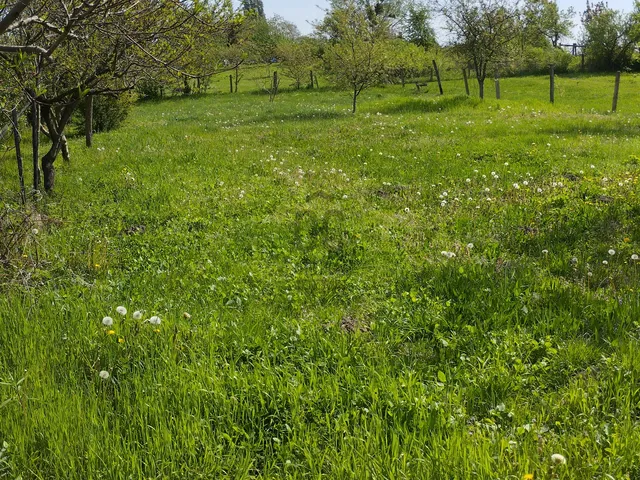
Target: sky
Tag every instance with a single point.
(304, 12)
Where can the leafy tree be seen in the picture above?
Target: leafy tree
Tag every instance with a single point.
(267, 34)
(609, 37)
(484, 32)
(545, 23)
(357, 54)
(297, 57)
(416, 26)
(253, 6)
(405, 60)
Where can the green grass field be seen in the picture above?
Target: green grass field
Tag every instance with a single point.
(433, 288)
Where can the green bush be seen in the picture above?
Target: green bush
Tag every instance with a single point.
(150, 88)
(108, 111)
(536, 60)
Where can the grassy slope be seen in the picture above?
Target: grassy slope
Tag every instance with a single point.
(279, 227)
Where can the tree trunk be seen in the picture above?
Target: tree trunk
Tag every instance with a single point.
(17, 139)
(88, 120)
(481, 87)
(48, 170)
(64, 148)
(355, 99)
(56, 123)
(35, 142)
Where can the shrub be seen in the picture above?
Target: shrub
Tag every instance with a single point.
(150, 88)
(108, 112)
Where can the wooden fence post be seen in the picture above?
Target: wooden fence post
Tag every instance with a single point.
(435, 69)
(497, 80)
(616, 88)
(466, 81)
(88, 120)
(552, 83)
(16, 139)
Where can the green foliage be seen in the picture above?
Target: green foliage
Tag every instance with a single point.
(109, 111)
(484, 32)
(297, 59)
(545, 24)
(536, 60)
(358, 53)
(416, 26)
(150, 88)
(609, 37)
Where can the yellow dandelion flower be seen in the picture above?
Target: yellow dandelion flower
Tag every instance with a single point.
(157, 330)
(528, 476)
(627, 239)
(111, 332)
(121, 340)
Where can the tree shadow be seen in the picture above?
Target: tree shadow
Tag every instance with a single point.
(425, 105)
(596, 130)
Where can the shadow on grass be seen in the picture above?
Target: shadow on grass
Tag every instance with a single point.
(609, 130)
(424, 105)
(308, 116)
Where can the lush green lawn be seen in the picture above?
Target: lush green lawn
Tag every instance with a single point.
(331, 333)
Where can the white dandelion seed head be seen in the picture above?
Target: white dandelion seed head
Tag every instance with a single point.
(558, 459)
(516, 186)
(155, 320)
(406, 210)
(137, 315)
(612, 251)
(107, 321)
(604, 262)
(539, 190)
(34, 231)
(589, 274)
(525, 183)
(545, 251)
(104, 374)
(634, 256)
(121, 310)
(469, 246)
